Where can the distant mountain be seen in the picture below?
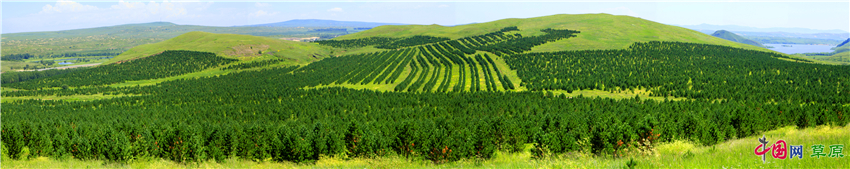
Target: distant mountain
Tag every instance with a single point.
(736, 28)
(735, 38)
(831, 36)
(322, 23)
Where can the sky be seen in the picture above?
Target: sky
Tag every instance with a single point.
(19, 16)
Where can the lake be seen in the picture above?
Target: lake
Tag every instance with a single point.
(83, 58)
(65, 63)
(796, 48)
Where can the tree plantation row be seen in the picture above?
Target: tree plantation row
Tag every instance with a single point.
(397, 43)
(676, 69)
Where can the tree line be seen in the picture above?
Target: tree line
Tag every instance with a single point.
(690, 70)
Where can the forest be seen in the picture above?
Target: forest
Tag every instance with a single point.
(275, 113)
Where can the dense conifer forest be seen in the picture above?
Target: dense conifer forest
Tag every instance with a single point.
(280, 113)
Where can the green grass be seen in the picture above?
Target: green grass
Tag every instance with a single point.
(352, 51)
(598, 31)
(841, 58)
(8, 65)
(735, 153)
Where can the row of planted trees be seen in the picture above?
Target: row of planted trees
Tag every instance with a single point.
(215, 120)
(677, 69)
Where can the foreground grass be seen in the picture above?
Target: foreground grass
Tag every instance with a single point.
(736, 153)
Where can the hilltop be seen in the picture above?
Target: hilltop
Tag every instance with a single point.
(599, 31)
(735, 38)
(230, 45)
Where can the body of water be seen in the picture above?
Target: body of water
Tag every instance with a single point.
(83, 58)
(65, 63)
(796, 48)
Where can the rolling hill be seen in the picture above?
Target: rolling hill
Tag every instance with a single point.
(599, 31)
(232, 46)
(735, 38)
(113, 40)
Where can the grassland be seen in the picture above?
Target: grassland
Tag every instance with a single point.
(34, 63)
(735, 153)
(230, 45)
(8, 65)
(598, 31)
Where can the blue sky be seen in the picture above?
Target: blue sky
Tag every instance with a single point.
(64, 14)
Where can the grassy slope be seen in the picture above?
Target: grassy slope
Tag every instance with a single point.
(598, 31)
(736, 153)
(7, 65)
(227, 44)
(839, 58)
(120, 38)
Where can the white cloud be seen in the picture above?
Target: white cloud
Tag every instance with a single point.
(337, 9)
(260, 5)
(261, 13)
(66, 6)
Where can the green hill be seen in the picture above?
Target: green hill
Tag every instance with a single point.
(839, 55)
(599, 31)
(425, 98)
(735, 38)
(114, 40)
(230, 45)
(844, 44)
